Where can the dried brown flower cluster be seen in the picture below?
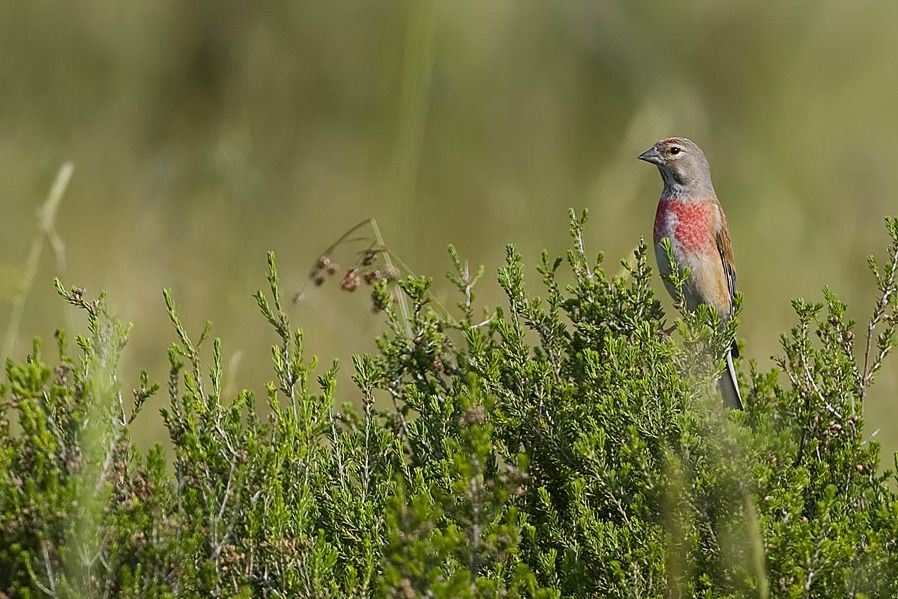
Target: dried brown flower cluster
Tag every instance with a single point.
(324, 268)
(369, 268)
(350, 280)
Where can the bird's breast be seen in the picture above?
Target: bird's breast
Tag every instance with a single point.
(689, 225)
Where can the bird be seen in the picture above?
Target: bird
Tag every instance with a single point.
(691, 217)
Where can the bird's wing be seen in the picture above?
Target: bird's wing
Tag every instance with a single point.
(725, 249)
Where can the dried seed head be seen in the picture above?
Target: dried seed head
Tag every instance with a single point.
(332, 268)
(318, 280)
(372, 276)
(323, 262)
(370, 255)
(350, 280)
(391, 273)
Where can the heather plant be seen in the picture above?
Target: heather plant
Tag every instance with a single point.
(562, 445)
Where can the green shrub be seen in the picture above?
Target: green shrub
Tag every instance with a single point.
(559, 446)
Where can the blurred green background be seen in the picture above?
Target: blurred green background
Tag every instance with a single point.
(205, 133)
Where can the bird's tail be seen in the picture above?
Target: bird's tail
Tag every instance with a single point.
(729, 388)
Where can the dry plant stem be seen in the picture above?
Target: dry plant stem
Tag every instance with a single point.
(46, 217)
(51, 577)
(345, 236)
(888, 288)
(816, 388)
(366, 468)
(581, 252)
(388, 257)
(403, 303)
(807, 402)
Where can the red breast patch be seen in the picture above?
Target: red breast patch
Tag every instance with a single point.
(688, 223)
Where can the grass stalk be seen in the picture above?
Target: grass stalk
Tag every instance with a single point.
(46, 220)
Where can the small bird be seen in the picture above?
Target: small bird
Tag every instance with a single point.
(691, 217)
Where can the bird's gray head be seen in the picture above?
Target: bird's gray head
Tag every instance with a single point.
(682, 165)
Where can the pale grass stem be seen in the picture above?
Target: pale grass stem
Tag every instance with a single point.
(46, 220)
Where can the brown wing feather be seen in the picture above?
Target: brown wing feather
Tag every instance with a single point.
(725, 249)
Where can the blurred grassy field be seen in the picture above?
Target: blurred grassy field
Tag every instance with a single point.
(205, 133)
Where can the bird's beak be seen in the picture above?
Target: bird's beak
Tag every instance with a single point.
(651, 155)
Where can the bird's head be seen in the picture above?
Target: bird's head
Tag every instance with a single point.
(682, 164)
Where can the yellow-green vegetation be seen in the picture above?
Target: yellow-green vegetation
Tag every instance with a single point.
(205, 134)
(559, 446)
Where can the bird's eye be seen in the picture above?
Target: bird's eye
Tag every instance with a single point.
(675, 150)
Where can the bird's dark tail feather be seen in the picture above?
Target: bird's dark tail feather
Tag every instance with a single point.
(729, 388)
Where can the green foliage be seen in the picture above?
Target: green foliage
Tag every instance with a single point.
(561, 446)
